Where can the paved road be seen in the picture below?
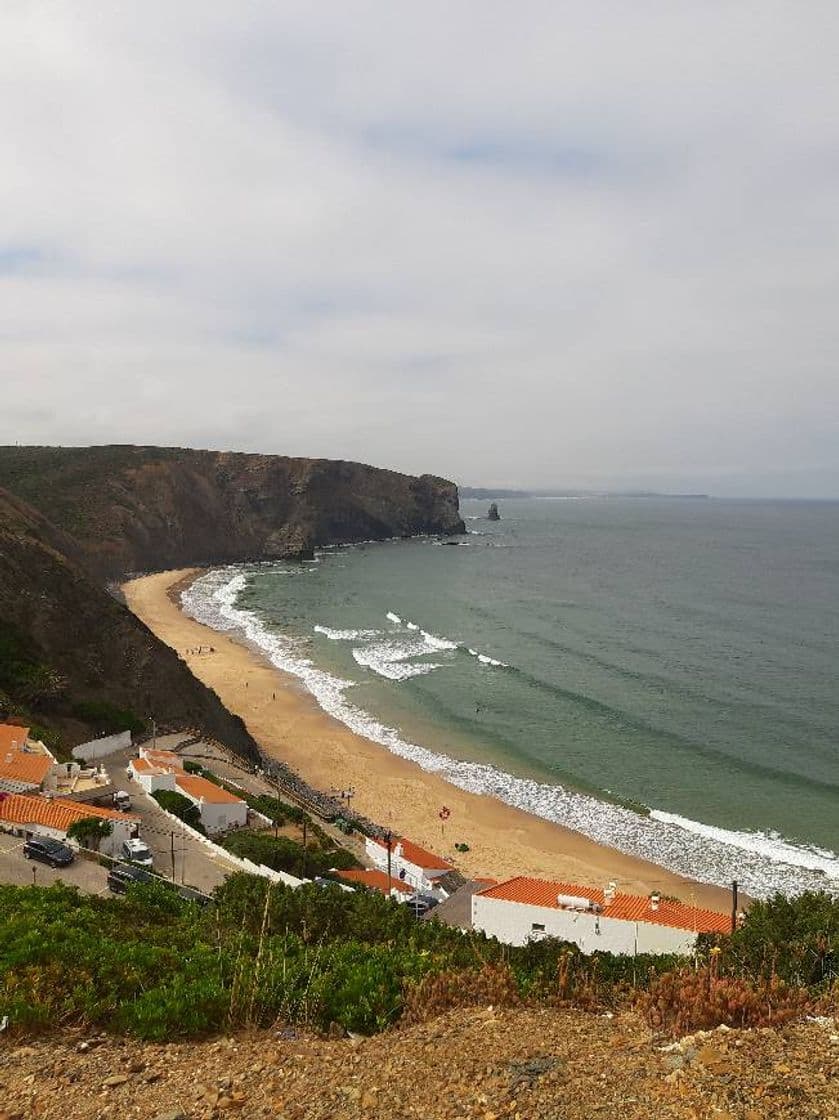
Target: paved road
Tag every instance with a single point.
(16, 869)
(177, 855)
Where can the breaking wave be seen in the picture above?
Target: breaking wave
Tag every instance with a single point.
(762, 862)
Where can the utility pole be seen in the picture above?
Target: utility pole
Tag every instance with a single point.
(389, 839)
(305, 839)
(734, 906)
(172, 844)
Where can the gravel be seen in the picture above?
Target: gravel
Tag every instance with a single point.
(467, 1065)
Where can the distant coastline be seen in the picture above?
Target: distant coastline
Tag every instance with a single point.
(485, 493)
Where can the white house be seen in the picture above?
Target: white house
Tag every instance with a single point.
(521, 910)
(409, 863)
(220, 810)
(25, 815)
(24, 762)
(150, 776)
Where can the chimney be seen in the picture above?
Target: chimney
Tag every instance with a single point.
(655, 898)
(609, 892)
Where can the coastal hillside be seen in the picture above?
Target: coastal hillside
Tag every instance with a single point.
(140, 508)
(75, 662)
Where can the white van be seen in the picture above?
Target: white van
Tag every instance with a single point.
(137, 851)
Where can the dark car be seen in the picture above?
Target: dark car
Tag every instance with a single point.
(47, 850)
(122, 875)
(196, 896)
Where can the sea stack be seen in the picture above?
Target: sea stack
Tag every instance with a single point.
(493, 514)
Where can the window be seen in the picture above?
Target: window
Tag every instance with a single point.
(538, 927)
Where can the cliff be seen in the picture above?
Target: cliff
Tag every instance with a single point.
(142, 508)
(65, 645)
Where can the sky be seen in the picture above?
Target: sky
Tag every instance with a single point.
(528, 244)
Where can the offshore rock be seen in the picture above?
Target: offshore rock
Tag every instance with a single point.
(493, 514)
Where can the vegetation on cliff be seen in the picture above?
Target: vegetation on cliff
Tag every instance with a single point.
(158, 967)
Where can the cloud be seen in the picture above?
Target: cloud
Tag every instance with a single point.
(546, 245)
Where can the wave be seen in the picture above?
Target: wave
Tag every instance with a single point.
(346, 635)
(762, 862)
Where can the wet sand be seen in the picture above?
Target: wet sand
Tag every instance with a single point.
(288, 724)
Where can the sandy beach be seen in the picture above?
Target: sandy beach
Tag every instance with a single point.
(287, 723)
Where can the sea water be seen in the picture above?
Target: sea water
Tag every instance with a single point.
(659, 674)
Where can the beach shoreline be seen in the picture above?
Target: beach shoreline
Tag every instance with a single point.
(287, 723)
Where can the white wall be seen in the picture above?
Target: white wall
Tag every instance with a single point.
(512, 923)
(218, 816)
(152, 782)
(415, 876)
(98, 748)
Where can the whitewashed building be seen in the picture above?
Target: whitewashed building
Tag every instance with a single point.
(27, 815)
(409, 863)
(522, 910)
(219, 809)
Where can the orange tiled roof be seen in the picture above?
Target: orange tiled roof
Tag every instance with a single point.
(377, 880)
(202, 789)
(413, 853)
(626, 907)
(12, 737)
(58, 813)
(21, 766)
(143, 766)
(162, 758)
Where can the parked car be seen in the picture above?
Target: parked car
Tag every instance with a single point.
(122, 875)
(137, 851)
(47, 850)
(122, 801)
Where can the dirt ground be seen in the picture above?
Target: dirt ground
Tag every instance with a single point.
(476, 1064)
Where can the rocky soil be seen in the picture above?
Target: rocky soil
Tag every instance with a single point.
(482, 1064)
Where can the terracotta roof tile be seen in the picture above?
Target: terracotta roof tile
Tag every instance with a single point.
(12, 737)
(377, 880)
(202, 789)
(23, 766)
(413, 853)
(626, 907)
(162, 758)
(52, 812)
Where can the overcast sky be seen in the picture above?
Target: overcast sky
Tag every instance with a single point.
(511, 243)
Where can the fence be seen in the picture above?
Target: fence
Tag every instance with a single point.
(99, 748)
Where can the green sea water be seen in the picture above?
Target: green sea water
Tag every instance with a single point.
(675, 654)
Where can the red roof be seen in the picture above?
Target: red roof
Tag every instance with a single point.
(377, 880)
(58, 813)
(626, 907)
(413, 853)
(12, 737)
(201, 789)
(24, 766)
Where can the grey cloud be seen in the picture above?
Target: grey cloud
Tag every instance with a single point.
(539, 245)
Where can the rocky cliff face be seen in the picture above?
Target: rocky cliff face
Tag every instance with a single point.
(142, 508)
(65, 641)
(73, 518)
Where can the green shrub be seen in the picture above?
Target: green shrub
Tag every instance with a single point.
(180, 807)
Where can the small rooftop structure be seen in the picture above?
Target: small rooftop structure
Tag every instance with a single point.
(413, 853)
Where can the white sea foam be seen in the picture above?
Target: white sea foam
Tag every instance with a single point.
(391, 617)
(346, 635)
(485, 659)
(412, 626)
(761, 862)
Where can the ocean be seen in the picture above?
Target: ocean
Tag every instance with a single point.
(660, 674)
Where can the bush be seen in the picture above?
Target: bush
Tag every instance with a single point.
(180, 807)
(795, 939)
(689, 1000)
(284, 854)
